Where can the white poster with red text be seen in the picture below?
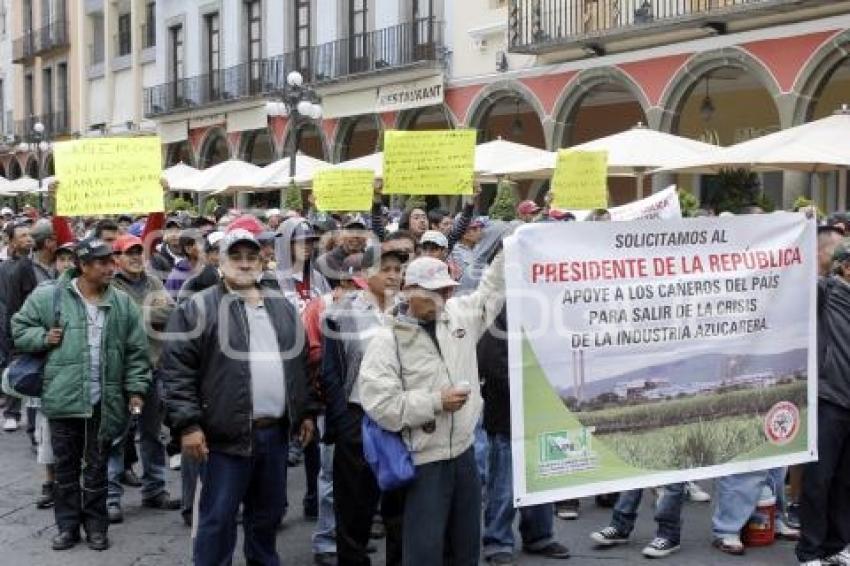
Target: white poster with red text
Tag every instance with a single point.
(651, 352)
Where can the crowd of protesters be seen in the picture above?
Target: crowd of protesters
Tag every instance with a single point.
(236, 346)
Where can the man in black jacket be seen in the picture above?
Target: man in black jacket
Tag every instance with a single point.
(535, 521)
(232, 403)
(17, 280)
(825, 501)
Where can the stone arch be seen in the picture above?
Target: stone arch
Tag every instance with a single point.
(687, 78)
(180, 152)
(345, 129)
(576, 90)
(407, 118)
(815, 75)
(48, 165)
(503, 90)
(214, 141)
(32, 167)
(14, 170)
(313, 126)
(252, 145)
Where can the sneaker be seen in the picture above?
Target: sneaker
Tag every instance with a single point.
(730, 544)
(65, 540)
(609, 536)
(161, 501)
(696, 493)
(45, 501)
(567, 510)
(783, 531)
(175, 461)
(813, 563)
(660, 547)
(97, 541)
(553, 550)
(841, 559)
(501, 559)
(10, 425)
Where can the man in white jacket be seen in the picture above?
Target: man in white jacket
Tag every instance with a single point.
(420, 377)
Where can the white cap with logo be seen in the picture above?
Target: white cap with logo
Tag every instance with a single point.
(434, 237)
(429, 273)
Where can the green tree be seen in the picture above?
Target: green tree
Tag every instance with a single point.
(688, 203)
(735, 189)
(803, 202)
(209, 206)
(293, 198)
(176, 204)
(504, 205)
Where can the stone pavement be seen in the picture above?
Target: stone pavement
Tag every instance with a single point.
(159, 538)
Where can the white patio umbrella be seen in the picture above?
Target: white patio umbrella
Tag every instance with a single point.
(179, 175)
(631, 153)
(276, 175)
(373, 162)
(815, 147)
(23, 185)
(230, 173)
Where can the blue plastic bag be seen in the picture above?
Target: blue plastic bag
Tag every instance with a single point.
(387, 455)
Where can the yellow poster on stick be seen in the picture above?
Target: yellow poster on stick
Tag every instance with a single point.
(108, 176)
(348, 190)
(580, 180)
(433, 162)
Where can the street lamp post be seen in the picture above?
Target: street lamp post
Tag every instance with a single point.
(300, 103)
(39, 144)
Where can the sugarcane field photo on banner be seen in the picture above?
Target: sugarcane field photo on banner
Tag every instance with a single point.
(650, 352)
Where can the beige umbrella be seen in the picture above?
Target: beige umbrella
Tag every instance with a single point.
(179, 175)
(23, 185)
(230, 173)
(276, 175)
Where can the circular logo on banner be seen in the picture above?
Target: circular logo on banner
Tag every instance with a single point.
(782, 423)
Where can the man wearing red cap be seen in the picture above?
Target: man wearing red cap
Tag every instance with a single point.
(155, 305)
(527, 211)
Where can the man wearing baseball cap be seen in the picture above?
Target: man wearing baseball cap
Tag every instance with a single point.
(236, 381)
(432, 343)
(97, 358)
(155, 304)
(527, 211)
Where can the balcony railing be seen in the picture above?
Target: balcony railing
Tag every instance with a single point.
(536, 26)
(34, 42)
(256, 78)
(394, 47)
(391, 48)
(55, 124)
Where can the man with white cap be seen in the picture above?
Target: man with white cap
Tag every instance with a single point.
(273, 218)
(436, 406)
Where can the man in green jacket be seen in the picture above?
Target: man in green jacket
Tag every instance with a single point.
(97, 360)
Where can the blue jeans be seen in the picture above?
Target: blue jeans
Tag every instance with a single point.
(668, 511)
(324, 536)
(736, 498)
(254, 481)
(481, 453)
(442, 513)
(535, 523)
(152, 451)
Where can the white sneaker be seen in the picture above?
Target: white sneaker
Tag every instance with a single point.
(696, 493)
(659, 548)
(841, 559)
(813, 563)
(10, 425)
(174, 462)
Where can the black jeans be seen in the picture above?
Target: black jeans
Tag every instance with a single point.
(825, 500)
(356, 497)
(77, 451)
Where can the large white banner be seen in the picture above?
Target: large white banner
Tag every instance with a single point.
(650, 352)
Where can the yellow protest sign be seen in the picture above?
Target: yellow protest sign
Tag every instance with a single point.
(434, 162)
(580, 180)
(343, 189)
(108, 176)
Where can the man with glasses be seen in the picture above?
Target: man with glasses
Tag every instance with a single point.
(155, 305)
(232, 402)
